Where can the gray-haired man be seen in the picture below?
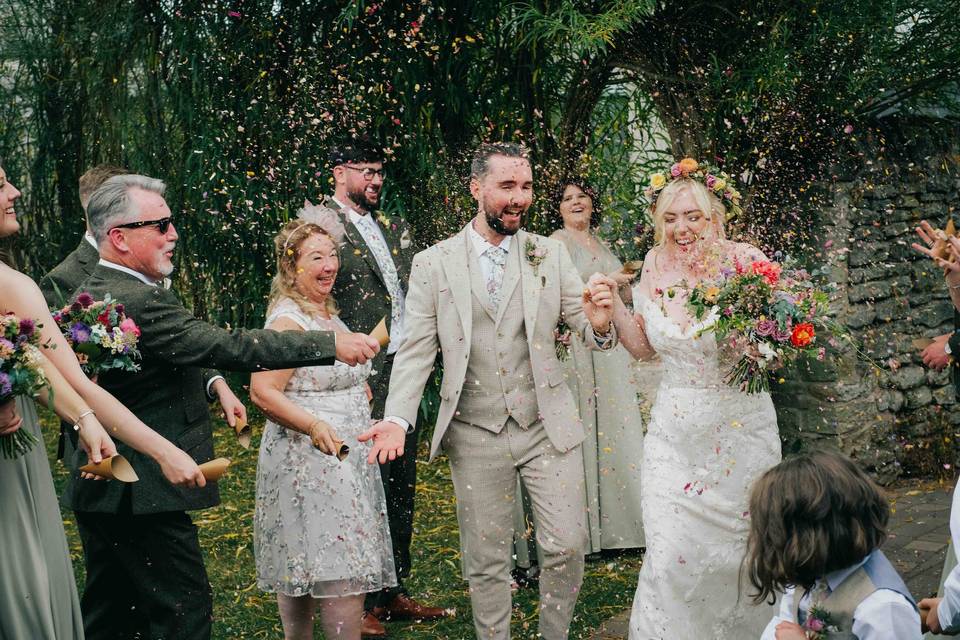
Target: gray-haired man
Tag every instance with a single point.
(145, 571)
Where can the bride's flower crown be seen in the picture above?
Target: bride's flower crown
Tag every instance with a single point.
(719, 183)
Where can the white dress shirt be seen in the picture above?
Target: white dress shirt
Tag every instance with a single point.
(89, 238)
(372, 234)
(883, 615)
(949, 609)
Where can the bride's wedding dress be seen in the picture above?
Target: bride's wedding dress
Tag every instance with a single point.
(706, 443)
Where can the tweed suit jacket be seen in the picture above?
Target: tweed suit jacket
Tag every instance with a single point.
(439, 316)
(60, 282)
(954, 343)
(360, 290)
(167, 393)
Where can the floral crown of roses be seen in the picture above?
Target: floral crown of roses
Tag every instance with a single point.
(719, 183)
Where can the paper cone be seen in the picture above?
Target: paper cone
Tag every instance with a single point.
(941, 248)
(632, 266)
(380, 333)
(243, 433)
(214, 469)
(113, 468)
(342, 450)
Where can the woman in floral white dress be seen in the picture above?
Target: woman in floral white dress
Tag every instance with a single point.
(320, 528)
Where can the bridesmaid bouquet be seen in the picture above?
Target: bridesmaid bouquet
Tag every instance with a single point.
(770, 314)
(20, 375)
(100, 334)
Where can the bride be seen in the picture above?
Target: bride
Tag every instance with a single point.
(706, 441)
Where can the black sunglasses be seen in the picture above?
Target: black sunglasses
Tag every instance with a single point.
(162, 224)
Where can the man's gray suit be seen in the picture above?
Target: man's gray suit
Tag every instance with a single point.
(505, 409)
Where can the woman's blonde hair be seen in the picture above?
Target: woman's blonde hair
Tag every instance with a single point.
(288, 243)
(707, 202)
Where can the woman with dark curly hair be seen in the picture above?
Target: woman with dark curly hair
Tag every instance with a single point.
(605, 387)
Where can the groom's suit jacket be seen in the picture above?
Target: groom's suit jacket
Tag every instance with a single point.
(496, 363)
(167, 393)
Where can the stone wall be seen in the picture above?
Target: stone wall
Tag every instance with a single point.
(882, 406)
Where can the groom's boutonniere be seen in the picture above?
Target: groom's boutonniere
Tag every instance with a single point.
(535, 253)
(819, 622)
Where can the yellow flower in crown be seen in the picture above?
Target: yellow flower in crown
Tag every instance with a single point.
(658, 181)
(688, 165)
(720, 185)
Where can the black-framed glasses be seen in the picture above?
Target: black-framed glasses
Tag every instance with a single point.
(367, 172)
(162, 224)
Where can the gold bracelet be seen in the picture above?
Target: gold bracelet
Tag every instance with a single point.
(88, 412)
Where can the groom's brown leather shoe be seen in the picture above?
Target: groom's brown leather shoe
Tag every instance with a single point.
(371, 627)
(403, 607)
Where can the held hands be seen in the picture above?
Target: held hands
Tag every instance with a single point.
(598, 301)
(356, 348)
(232, 408)
(929, 619)
(10, 420)
(623, 278)
(790, 631)
(388, 439)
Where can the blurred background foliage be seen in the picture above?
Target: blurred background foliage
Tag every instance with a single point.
(234, 104)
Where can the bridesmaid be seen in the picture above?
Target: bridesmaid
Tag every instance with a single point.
(604, 384)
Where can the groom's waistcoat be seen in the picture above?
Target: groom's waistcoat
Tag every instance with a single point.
(499, 382)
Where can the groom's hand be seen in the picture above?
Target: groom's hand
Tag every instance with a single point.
(356, 348)
(231, 405)
(388, 439)
(598, 302)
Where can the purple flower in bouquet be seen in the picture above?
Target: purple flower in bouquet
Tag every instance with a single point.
(85, 299)
(6, 387)
(6, 348)
(27, 327)
(766, 327)
(75, 307)
(782, 335)
(79, 333)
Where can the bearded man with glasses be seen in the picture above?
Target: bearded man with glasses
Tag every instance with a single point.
(145, 572)
(374, 269)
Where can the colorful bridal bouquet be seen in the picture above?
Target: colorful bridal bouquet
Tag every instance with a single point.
(100, 334)
(770, 313)
(20, 375)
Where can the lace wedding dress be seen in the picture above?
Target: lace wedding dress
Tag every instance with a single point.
(705, 445)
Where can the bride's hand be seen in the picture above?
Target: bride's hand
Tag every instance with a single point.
(94, 439)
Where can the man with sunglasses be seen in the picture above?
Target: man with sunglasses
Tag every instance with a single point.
(372, 284)
(145, 572)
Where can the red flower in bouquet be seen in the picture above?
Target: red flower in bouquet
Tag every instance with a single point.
(769, 270)
(803, 334)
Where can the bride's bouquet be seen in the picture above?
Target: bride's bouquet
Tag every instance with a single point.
(769, 314)
(100, 333)
(20, 375)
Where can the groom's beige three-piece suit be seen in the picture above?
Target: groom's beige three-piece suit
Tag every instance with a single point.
(505, 408)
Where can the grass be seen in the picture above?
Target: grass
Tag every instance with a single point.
(243, 611)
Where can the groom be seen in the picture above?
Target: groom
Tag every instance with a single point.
(489, 299)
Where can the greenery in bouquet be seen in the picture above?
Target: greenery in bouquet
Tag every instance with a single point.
(100, 333)
(769, 313)
(561, 340)
(20, 375)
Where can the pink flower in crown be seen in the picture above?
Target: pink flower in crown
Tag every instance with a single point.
(675, 170)
(711, 180)
(129, 326)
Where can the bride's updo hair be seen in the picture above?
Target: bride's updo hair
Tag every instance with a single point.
(288, 243)
(810, 515)
(707, 202)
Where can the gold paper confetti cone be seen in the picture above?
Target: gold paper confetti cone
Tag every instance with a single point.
(114, 468)
(380, 333)
(214, 469)
(632, 266)
(342, 450)
(244, 433)
(941, 247)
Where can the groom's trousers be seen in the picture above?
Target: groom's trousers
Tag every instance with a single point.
(484, 466)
